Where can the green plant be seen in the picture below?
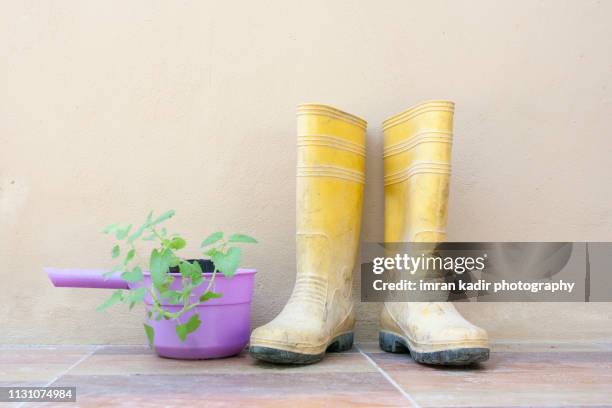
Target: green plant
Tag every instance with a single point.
(225, 257)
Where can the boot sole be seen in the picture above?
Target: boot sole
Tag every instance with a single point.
(339, 344)
(393, 343)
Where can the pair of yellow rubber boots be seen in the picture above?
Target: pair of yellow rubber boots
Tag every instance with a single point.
(320, 314)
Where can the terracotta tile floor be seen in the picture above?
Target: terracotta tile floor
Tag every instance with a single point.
(516, 375)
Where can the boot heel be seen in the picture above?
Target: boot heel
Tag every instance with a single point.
(391, 343)
(341, 343)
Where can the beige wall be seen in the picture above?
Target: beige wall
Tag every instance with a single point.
(108, 109)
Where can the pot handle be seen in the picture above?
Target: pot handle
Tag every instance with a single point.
(85, 278)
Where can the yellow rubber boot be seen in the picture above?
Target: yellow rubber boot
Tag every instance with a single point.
(319, 316)
(417, 157)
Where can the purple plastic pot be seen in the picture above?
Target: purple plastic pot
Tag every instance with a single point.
(225, 326)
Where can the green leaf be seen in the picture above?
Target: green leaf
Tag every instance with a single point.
(182, 330)
(109, 229)
(242, 238)
(210, 295)
(167, 215)
(150, 335)
(141, 229)
(177, 243)
(187, 270)
(159, 264)
(211, 252)
(174, 260)
(167, 285)
(211, 239)
(191, 270)
(196, 267)
(123, 232)
(117, 296)
(136, 295)
(129, 256)
(135, 275)
(172, 296)
(137, 234)
(116, 251)
(149, 237)
(228, 262)
(197, 278)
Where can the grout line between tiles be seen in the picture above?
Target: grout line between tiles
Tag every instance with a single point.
(79, 361)
(388, 378)
(61, 346)
(64, 372)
